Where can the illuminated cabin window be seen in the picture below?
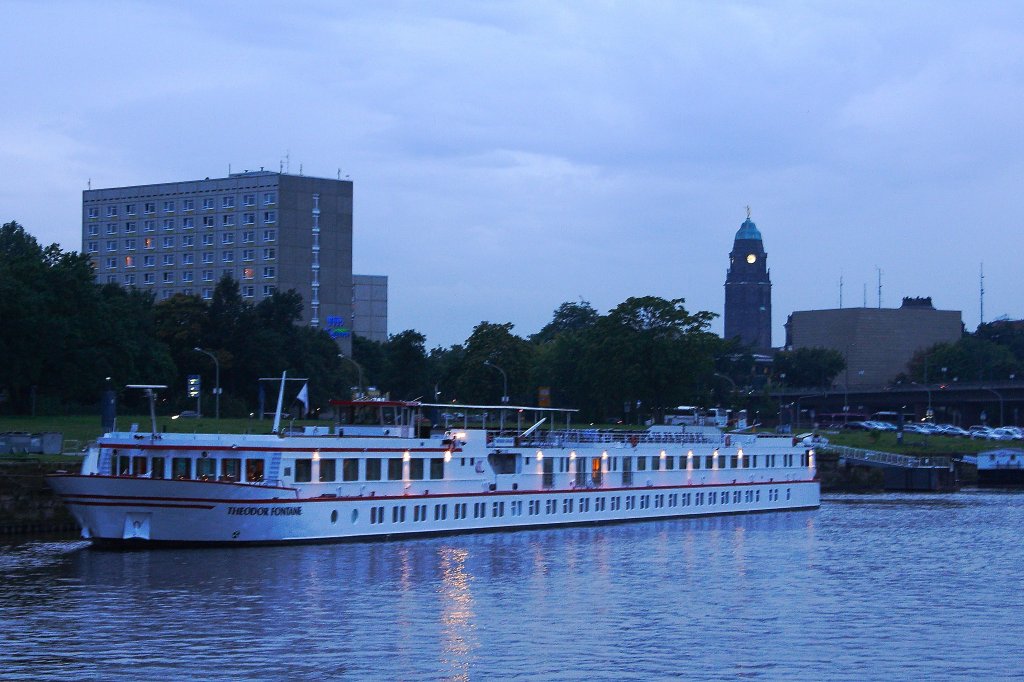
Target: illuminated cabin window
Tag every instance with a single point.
(254, 470)
(328, 470)
(395, 469)
(416, 468)
(206, 468)
(373, 469)
(303, 470)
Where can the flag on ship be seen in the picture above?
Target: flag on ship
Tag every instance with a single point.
(303, 397)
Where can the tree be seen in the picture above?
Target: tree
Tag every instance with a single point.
(809, 367)
(496, 344)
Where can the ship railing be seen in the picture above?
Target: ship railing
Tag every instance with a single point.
(570, 437)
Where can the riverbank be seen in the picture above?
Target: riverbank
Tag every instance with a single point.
(27, 504)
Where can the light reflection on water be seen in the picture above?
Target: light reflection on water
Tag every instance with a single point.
(868, 587)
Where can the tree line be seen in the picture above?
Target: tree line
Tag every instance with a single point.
(64, 339)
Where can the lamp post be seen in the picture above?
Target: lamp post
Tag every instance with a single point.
(216, 388)
(359, 368)
(504, 391)
(998, 395)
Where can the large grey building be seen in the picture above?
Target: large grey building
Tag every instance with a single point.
(370, 307)
(877, 343)
(269, 231)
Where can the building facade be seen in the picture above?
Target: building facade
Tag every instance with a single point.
(877, 343)
(370, 307)
(748, 290)
(269, 231)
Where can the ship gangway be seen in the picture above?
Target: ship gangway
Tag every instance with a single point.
(901, 472)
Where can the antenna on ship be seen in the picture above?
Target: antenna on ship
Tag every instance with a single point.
(150, 392)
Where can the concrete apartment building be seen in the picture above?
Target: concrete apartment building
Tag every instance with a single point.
(269, 231)
(370, 307)
(876, 342)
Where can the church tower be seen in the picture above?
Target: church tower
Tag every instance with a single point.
(748, 290)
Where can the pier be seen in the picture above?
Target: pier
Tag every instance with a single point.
(901, 472)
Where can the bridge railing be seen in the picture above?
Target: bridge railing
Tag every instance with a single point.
(887, 458)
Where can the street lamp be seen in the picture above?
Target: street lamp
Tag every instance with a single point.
(504, 391)
(998, 395)
(216, 366)
(358, 367)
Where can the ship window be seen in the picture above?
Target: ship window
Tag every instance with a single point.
(124, 465)
(398, 514)
(641, 463)
(303, 470)
(206, 468)
(709, 462)
(670, 462)
(436, 468)
(416, 468)
(328, 470)
(654, 463)
(732, 462)
(181, 467)
(157, 468)
(350, 469)
(373, 469)
(696, 462)
(230, 469)
(254, 470)
(138, 466)
(395, 469)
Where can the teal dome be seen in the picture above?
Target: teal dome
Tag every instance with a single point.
(748, 230)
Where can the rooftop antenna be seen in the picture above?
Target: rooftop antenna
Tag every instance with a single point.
(879, 286)
(840, 292)
(229, 169)
(280, 166)
(300, 169)
(981, 293)
(287, 161)
(89, 184)
(865, 304)
(339, 174)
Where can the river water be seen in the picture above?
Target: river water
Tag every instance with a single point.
(877, 587)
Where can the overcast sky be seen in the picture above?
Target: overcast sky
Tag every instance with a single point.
(508, 157)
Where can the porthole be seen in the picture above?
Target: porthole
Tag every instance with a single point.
(334, 516)
(355, 515)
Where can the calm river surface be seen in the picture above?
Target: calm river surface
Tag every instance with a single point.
(876, 587)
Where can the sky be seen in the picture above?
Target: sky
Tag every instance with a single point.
(511, 156)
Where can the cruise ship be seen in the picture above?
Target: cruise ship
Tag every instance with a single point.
(382, 472)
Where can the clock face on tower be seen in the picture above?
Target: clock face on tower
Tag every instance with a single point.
(751, 258)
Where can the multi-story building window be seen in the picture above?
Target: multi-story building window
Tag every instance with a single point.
(227, 220)
(269, 272)
(129, 244)
(148, 242)
(94, 212)
(149, 207)
(187, 291)
(186, 277)
(168, 278)
(248, 236)
(94, 230)
(111, 279)
(269, 289)
(129, 261)
(207, 293)
(129, 226)
(227, 257)
(168, 207)
(168, 242)
(129, 209)
(208, 204)
(188, 222)
(168, 259)
(111, 228)
(227, 238)
(149, 278)
(248, 291)
(269, 235)
(111, 245)
(207, 240)
(188, 240)
(227, 272)
(148, 225)
(207, 275)
(94, 247)
(111, 263)
(187, 259)
(248, 273)
(269, 198)
(208, 256)
(149, 261)
(111, 211)
(248, 254)
(188, 204)
(227, 202)
(249, 218)
(269, 254)
(249, 199)
(166, 294)
(129, 279)
(168, 223)
(270, 217)
(209, 221)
